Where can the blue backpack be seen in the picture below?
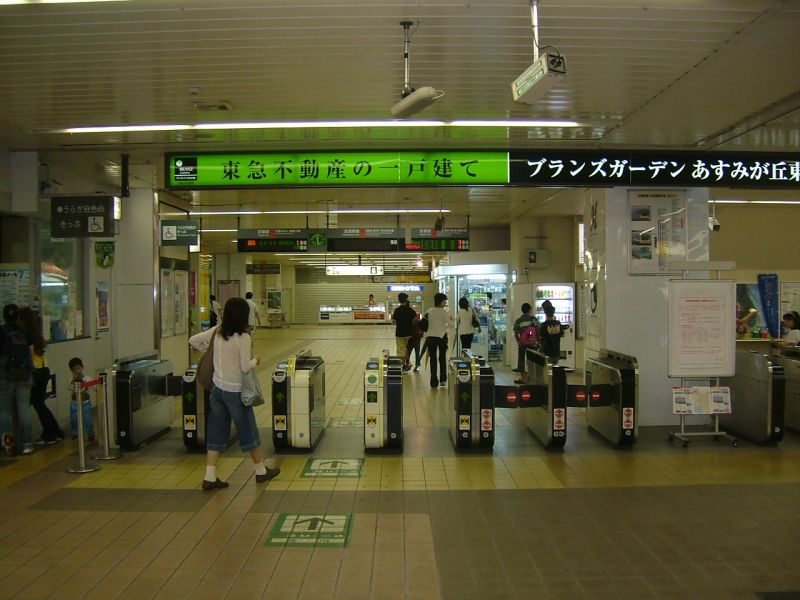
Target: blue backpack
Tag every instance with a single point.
(18, 363)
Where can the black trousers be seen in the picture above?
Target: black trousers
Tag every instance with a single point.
(50, 429)
(437, 351)
(466, 340)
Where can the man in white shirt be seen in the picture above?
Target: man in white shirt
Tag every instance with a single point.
(254, 317)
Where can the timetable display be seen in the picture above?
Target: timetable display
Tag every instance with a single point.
(273, 244)
(438, 244)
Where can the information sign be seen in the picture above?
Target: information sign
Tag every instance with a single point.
(82, 216)
(263, 269)
(180, 233)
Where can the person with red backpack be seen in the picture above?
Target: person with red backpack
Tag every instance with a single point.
(526, 333)
(16, 379)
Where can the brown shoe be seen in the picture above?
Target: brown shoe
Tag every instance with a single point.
(213, 485)
(270, 474)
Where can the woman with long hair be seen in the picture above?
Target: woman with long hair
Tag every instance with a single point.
(51, 432)
(231, 361)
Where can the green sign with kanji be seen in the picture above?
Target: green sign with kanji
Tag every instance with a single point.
(297, 169)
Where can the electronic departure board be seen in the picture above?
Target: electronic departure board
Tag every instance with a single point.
(273, 244)
(439, 244)
(365, 244)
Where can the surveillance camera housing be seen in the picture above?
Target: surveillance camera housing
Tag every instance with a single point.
(438, 225)
(713, 224)
(415, 101)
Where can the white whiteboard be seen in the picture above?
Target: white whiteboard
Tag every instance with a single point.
(702, 328)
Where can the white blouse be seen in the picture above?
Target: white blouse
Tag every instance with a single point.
(439, 321)
(465, 321)
(231, 357)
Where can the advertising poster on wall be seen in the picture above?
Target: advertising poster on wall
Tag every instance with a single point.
(657, 230)
(103, 309)
(753, 316)
(15, 285)
(790, 300)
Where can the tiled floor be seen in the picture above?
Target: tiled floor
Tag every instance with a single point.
(658, 521)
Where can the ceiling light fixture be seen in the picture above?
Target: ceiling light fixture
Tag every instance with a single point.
(350, 211)
(522, 123)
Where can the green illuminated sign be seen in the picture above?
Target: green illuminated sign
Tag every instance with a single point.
(192, 171)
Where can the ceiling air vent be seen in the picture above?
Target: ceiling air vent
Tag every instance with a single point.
(221, 106)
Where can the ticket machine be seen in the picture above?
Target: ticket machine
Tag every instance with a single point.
(471, 403)
(383, 403)
(298, 402)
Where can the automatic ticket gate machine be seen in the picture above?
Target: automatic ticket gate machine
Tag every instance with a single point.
(790, 361)
(383, 403)
(471, 402)
(298, 402)
(195, 407)
(757, 398)
(611, 397)
(543, 400)
(546, 411)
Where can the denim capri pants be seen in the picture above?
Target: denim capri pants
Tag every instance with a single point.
(224, 407)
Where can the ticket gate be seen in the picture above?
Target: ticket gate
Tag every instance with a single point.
(471, 402)
(543, 400)
(144, 391)
(757, 398)
(383, 403)
(195, 407)
(611, 397)
(790, 361)
(298, 402)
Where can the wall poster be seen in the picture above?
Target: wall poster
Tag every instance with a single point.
(15, 285)
(701, 328)
(656, 230)
(790, 300)
(181, 302)
(167, 295)
(103, 310)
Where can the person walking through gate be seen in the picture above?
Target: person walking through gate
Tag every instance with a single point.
(440, 322)
(403, 317)
(231, 360)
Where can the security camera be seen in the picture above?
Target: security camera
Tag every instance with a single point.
(414, 101)
(713, 224)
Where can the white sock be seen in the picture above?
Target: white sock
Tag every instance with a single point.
(211, 473)
(260, 468)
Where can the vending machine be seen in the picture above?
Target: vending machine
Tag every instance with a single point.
(562, 297)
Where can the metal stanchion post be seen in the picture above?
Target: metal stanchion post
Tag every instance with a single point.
(104, 420)
(81, 467)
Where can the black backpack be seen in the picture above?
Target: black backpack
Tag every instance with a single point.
(17, 361)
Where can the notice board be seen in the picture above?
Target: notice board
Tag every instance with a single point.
(702, 328)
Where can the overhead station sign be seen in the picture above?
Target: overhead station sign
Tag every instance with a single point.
(272, 240)
(464, 167)
(263, 169)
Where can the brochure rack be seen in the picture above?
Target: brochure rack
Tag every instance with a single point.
(702, 344)
(701, 400)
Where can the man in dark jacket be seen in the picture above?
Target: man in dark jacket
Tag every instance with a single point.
(403, 318)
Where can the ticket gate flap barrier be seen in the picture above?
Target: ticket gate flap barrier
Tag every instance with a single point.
(790, 361)
(383, 404)
(298, 402)
(611, 397)
(472, 393)
(143, 403)
(758, 393)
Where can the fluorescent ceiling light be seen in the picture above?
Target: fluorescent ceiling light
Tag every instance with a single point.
(795, 202)
(525, 123)
(351, 211)
(10, 2)
(218, 230)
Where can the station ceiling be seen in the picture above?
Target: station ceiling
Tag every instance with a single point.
(641, 74)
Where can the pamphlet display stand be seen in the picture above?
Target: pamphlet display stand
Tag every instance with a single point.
(701, 400)
(702, 345)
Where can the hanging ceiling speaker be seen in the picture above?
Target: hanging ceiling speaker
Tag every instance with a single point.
(412, 100)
